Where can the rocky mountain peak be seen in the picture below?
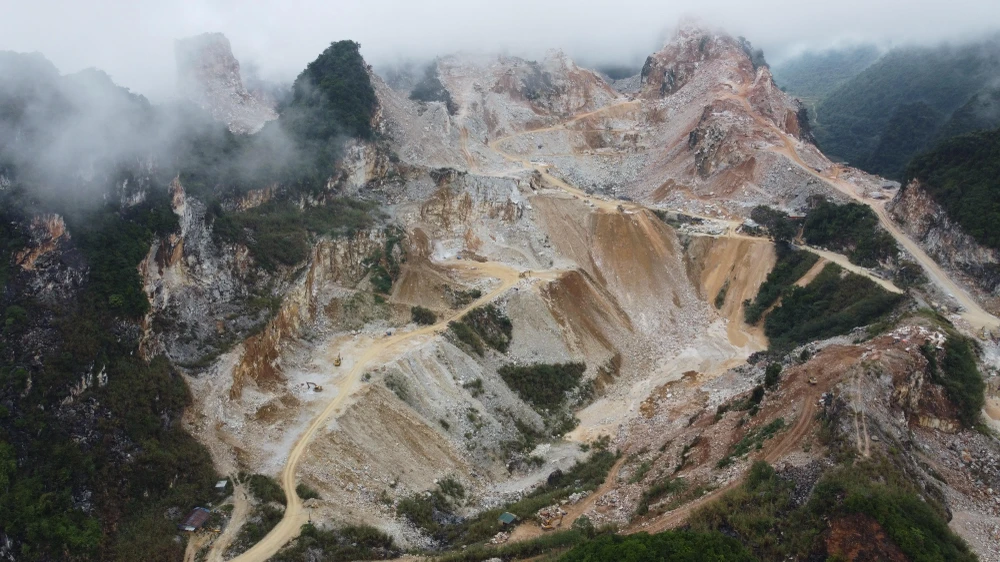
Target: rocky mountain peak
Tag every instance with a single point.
(209, 75)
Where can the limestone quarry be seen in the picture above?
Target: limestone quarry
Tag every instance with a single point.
(540, 191)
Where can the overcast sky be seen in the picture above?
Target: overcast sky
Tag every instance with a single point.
(133, 40)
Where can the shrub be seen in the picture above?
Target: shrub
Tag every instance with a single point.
(959, 374)
(777, 223)
(305, 492)
(543, 385)
(753, 440)
(772, 375)
(468, 336)
(423, 316)
(492, 325)
(266, 489)
(353, 542)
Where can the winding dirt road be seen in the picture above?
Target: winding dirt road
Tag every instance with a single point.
(383, 350)
(380, 351)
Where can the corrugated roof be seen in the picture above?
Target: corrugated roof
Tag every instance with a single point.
(507, 518)
(195, 519)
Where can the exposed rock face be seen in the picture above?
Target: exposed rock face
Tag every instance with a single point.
(209, 75)
(188, 278)
(928, 223)
(706, 129)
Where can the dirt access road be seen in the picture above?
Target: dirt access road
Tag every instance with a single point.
(974, 314)
(381, 351)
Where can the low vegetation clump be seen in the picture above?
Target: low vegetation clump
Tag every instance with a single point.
(430, 89)
(752, 441)
(959, 374)
(792, 264)
(772, 375)
(484, 326)
(423, 316)
(434, 511)
(543, 385)
(475, 387)
(749, 402)
(353, 542)
(492, 325)
(305, 492)
(259, 523)
(660, 489)
(776, 223)
(278, 233)
(466, 335)
(851, 229)
(720, 297)
(676, 546)
(458, 298)
(522, 550)
(832, 304)
(265, 489)
(763, 515)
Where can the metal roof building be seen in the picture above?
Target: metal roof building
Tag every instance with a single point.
(194, 520)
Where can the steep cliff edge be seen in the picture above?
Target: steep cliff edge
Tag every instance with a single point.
(927, 222)
(209, 75)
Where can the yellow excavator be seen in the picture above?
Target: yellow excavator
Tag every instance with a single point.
(336, 362)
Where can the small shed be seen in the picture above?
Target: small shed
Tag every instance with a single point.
(194, 520)
(507, 518)
(220, 486)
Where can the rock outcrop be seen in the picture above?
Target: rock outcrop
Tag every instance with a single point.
(209, 75)
(924, 220)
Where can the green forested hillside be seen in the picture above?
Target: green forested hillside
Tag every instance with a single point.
(980, 113)
(896, 107)
(814, 74)
(963, 176)
(94, 461)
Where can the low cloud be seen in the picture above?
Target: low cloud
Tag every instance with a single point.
(133, 41)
